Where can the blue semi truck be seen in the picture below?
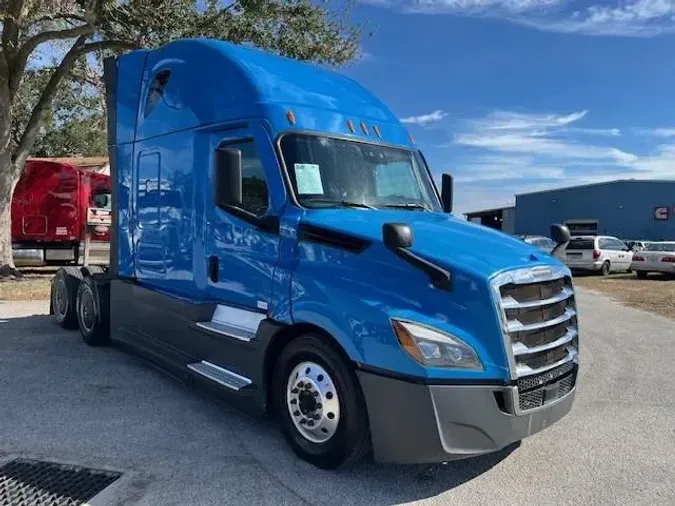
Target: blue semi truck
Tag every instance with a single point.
(279, 240)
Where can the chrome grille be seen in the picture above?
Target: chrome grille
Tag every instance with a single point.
(530, 382)
(539, 325)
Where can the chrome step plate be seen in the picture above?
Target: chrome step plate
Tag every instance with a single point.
(220, 375)
(239, 324)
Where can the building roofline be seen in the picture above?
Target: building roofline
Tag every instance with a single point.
(492, 210)
(615, 181)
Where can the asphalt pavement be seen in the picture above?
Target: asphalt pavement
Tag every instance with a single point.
(63, 401)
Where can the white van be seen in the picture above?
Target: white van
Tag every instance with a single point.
(597, 253)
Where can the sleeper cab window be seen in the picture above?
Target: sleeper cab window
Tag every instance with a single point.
(254, 192)
(156, 90)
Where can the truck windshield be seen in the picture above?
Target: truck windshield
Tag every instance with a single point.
(102, 200)
(329, 172)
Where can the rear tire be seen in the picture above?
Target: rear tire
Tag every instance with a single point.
(64, 295)
(334, 394)
(641, 274)
(604, 270)
(91, 319)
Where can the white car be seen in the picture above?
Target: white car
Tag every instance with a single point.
(656, 257)
(600, 253)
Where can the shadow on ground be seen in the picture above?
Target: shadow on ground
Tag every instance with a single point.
(171, 431)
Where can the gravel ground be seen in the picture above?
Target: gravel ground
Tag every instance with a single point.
(63, 401)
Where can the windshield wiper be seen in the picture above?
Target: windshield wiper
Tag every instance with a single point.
(345, 203)
(408, 205)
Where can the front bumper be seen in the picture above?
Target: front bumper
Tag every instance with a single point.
(418, 423)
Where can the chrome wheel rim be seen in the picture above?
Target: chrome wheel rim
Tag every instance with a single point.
(312, 401)
(87, 310)
(61, 300)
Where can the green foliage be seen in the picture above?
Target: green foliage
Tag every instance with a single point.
(74, 122)
(296, 28)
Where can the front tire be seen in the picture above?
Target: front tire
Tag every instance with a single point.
(319, 404)
(604, 270)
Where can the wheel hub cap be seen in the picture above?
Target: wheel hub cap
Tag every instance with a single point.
(313, 402)
(61, 302)
(87, 310)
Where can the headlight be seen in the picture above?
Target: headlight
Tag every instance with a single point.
(434, 348)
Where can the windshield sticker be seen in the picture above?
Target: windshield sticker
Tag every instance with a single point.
(308, 177)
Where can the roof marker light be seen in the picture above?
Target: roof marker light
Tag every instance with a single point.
(291, 117)
(376, 129)
(350, 124)
(364, 127)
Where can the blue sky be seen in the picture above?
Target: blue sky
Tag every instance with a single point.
(513, 96)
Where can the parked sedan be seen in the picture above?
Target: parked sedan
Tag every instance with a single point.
(656, 257)
(637, 245)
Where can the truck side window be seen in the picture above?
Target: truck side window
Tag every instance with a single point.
(255, 196)
(156, 89)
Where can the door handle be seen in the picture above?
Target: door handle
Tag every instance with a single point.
(214, 267)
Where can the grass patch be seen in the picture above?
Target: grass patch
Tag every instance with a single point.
(655, 294)
(34, 284)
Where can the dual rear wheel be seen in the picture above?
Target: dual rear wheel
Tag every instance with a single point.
(77, 301)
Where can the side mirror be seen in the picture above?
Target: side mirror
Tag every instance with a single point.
(397, 235)
(227, 177)
(561, 236)
(446, 192)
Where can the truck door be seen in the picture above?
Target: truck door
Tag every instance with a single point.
(242, 245)
(149, 244)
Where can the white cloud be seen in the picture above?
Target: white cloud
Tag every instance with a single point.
(637, 18)
(505, 120)
(425, 119)
(506, 153)
(535, 134)
(605, 132)
(656, 132)
(490, 168)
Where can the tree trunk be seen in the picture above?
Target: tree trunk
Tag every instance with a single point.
(8, 179)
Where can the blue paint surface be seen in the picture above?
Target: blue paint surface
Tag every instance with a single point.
(169, 226)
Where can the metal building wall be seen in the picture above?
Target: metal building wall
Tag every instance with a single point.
(624, 209)
(509, 220)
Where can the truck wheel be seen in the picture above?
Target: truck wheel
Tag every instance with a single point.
(94, 329)
(319, 404)
(64, 295)
(604, 270)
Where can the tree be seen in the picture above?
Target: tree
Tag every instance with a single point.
(76, 122)
(76, 30)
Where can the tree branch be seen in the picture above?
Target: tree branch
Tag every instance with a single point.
(40, 110)
(45, 101)
(10, 28)
(54, 17)
(30, 45)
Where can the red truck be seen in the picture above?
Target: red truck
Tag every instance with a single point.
(49, 214)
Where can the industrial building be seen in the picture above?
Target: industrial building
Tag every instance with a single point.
(502, 218)
(628, 209)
